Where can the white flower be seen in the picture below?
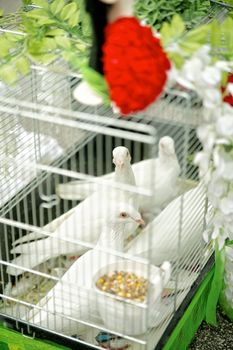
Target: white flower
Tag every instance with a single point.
(211, 76)
(223, 162)
(192, 69)
(207, 136)
(217, 186)
(221, 241)
(204, 54)
(212, 98)
(216, 232)
(224, 125)
(226, 205)
(229, 253)
(202, 160)
(206, 235)
(223, 66)
(229, 88)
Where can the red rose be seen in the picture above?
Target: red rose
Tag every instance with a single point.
(229, 97)
(135, 65)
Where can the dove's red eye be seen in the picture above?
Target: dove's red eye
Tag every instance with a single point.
(123, 215)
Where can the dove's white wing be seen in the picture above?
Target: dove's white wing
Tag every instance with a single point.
(50, 227)
(160, 238)
(79, 190)
(85, 224)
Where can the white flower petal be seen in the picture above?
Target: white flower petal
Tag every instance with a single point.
(229, 253)
(211, 76)
(221, 242)
(229, 88)
(192, 69)
(228, 171)
(224, 125)
(211, 98)
(215, 233)
(223, 65)
(206, 236)
(226, 205)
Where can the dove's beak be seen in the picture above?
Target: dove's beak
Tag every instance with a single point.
(119, 163)
(141, 222)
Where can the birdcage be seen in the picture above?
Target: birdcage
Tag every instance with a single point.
(48, 139)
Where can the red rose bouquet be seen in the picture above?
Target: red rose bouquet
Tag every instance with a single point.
(134, 63)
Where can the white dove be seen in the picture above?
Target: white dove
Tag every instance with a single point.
(84, 222)
(74, 295)
(158, 175)
(160, 239)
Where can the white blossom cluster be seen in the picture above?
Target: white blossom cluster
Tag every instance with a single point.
(215, 161)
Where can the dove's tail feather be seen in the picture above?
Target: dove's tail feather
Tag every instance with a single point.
(58, 310)
(33, 254)
(76, 190)
(27, 261)
(51, 227)
(32, 236)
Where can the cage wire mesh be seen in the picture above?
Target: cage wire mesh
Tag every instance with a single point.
(48, 139)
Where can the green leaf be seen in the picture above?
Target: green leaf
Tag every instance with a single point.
(57, 6)
(56, 32)
(68, 11)
(8, 74)
(27, 2)
(13, 38)
(172, 32)
(215, 34)
(216, 286)
(190, 47)
(224, 78)
(43, 58)
(5, 46)
(42, 3)
(81, 46)
(37, 14)
(176, 58)
(227, 31)
(96, 82)
(46, 21)
(63, 42)
(74, 19)
(22, 64)
(177, 25)
(1, 12)
(48, 44)
(199, 34)
(166, 34)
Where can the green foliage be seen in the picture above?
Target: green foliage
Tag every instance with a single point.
(181, 44)
(97, 83)
(230, 2)
(52, 28)
(155, 13)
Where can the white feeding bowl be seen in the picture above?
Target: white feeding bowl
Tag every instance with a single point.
(127, 316)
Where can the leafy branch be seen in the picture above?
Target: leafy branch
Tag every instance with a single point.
(181, 44)
(49, 30)
(155, 13)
